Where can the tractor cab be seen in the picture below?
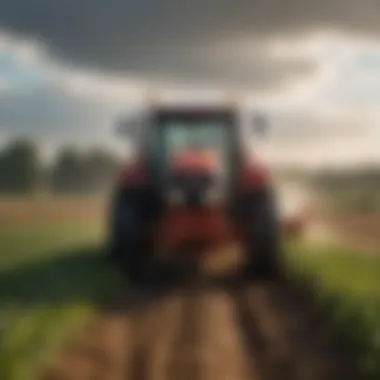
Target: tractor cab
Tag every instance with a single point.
(191, 155)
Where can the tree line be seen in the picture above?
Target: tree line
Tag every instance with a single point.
(94, 171)
(368, 176)
(73, 171)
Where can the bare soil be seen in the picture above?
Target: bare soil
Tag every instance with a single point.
(228, 330)
(359, 229)
(18, 211)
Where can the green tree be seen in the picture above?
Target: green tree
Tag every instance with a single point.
(101, 169)
(66, 173)
(20, 167)
(91, 172)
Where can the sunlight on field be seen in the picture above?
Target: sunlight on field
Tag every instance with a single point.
(52, 277)
(223, 261)
(346, 282)
(344, 269)
(16, 211)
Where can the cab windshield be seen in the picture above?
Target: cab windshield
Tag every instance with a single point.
(195, 135)
(176, 135)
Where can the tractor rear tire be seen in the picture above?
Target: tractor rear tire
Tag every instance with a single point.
(128, 249)
(140, 267)
(263, 251)
(131, 259)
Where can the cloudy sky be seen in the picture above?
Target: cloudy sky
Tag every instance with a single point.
(67, 68)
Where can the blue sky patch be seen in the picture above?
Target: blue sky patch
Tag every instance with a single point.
(20, 76)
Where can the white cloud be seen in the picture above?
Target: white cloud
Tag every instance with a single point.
(26, 51)
(33, 55)
(97, 85)
(5, 85)
(318, 118)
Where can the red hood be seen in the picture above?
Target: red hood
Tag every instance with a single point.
(199, 160)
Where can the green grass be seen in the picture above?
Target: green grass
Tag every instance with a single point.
(52, 278)
(347, 284)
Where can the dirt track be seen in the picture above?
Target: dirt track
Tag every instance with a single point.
(206, 331)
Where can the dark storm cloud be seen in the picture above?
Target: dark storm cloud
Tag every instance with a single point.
(162, 37)
(260, 71)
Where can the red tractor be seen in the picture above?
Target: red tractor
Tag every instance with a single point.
(189, 190)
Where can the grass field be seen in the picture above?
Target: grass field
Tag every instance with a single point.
(52, 278)
(347, 285)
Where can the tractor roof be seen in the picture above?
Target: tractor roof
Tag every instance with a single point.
(189, 111)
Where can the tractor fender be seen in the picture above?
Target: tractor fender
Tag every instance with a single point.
(125, 216)
(254, 176)
(133, 175)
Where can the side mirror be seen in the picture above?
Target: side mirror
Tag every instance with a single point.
(260, 125)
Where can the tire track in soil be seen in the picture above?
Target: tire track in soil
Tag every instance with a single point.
(235, 331)
(184, 360)
(288, 339)
(222, 351)
(155, 332)
(97, 353)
